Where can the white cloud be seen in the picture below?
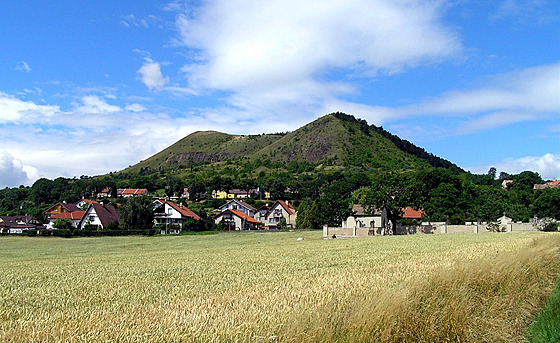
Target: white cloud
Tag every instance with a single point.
(524, 95)
(12, 171)
(248, 44)
(548, 166)
(23, 66)
(151, 76)
(135, 108)
(93, 104)
(15, 110)
(271, 56)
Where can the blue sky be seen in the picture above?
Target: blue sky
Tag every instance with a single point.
(92, 87)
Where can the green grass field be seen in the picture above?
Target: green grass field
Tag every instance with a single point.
(262, 287)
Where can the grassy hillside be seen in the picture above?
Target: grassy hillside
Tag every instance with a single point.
(205, 147)
(332, 140)
(255, 287)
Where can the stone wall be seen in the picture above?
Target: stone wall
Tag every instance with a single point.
(434, 228)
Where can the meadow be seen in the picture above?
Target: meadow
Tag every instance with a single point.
(268, 287)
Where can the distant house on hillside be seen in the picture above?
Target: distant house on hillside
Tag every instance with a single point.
(278, 212)
(550, 184)
(239, 194)
(99, 215)
(84, 204)
(168, 213)
(132, 192)
(237, 220)
(106, 192)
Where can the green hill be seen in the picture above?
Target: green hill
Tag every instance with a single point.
(334, 140)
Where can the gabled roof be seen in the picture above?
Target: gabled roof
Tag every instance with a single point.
(182, 209)
(244, 204)
(289, 208)
(410, 213)
(87, 201)
(75, 215)
(240, 215)
(19, 222)
(65, 206)
(132, 191)
(106, 213)
(185, 212)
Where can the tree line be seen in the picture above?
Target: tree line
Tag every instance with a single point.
(320, 197)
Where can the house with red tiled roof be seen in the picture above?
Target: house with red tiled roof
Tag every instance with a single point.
(84, 203)
(237, 220)
(280, 211)
(132, 192)
(106, 192)
(75, 217)
(240, 206)
(167, 213)
(99, 215)
(61, 207)
(549, 184)
(410, 213)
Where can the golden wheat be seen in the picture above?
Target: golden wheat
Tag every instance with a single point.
(270, 287)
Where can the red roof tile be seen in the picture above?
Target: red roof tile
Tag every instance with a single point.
(410, 213)
(76, 215)
(183, 210)
(242, 216)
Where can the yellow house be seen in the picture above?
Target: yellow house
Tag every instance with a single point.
(219, 194)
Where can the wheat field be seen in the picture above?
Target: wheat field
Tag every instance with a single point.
(270, 287)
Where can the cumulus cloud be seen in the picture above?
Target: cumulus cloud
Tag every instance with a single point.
(548, 166)
(15, 110)
(248, 44)
(270, 55)
(94, 105)
(12, 171)
(151, 75)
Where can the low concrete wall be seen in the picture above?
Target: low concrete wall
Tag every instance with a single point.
(438, 228)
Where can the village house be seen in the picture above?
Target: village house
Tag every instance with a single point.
(171, 215)
(261, 212)
(549, 184)
(106, 192)
(61, 207)
(132, 192)
(99, 215)
(240, 206)
(84, 204)
(239, 194)
(75, 217)
(280, 212)
(361, 220)
(237, 220)
(19, 224)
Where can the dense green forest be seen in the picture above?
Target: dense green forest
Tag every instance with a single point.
(321, 198)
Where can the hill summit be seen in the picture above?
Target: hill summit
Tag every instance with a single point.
(337, 140)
